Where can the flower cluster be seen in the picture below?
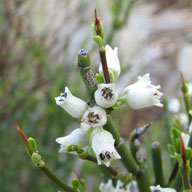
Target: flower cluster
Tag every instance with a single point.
(120, 187)
(91, 132)
(131, 187)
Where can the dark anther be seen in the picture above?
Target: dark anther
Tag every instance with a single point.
(101, 156)
(93, 118)
(64, 95)
(107, 93)
(107, 154)
(83, 52)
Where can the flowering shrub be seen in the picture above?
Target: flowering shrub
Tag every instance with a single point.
(98, 140)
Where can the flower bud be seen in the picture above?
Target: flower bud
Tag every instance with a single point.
(95, 117)
(73, 105)
(112, 61)
(159, 189)
(106, 96)
(79, 136)
(103, 146)
(143, 94)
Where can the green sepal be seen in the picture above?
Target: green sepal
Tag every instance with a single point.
(36, 159)
(116, 106)
(175, 138)
(75, 183)
(177, 123)
(99, 78)
(112, 77)
(94, 32)
(98, 40)
(33, 143)
(188, 152)
(84, 154)
(178, 158)
(171, 149)
(72, 148)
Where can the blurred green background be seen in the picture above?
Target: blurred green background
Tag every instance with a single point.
(38, 45)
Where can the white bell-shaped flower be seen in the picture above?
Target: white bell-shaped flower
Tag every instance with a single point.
(73, 105)
(112, 61)
(79, 136)
(142, 93)
(159, 189)
(106, 96)
(103, 146)
(107, 187)
(120, 187)
(95, 116)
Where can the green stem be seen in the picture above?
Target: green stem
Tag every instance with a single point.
(110, 126)
(184, 89)
(86, 73)
(104, 65)
(177, 184)
(185, 178)
(157, 163)
(56, 180)
(93, 159)
(126, 157)
(173, 173)
(117, 23)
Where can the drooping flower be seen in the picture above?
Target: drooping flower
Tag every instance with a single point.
(112, 61)
(159, 189)
(73, 105)
(120, 187)
(106, 96)
(142, 93)
(95, 116)
(79, 136)
(103, 146)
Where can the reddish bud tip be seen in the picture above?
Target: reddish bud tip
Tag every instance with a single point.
(23, 137)
(96, 18)
(78, 176)
(25, 140)
(182, 78)
(182, 146)
(97, 24)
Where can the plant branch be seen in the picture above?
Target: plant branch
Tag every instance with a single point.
(157, 163)
(44, 168)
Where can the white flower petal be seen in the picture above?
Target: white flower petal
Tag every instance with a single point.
(103, 146)
(153, 189)
(106, 96)
(143, 94)
(73, 105)
(112, 61)
(79, 136)
(95, 117)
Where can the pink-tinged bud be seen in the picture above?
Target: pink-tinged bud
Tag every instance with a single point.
(25, 140)
(182, 147)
